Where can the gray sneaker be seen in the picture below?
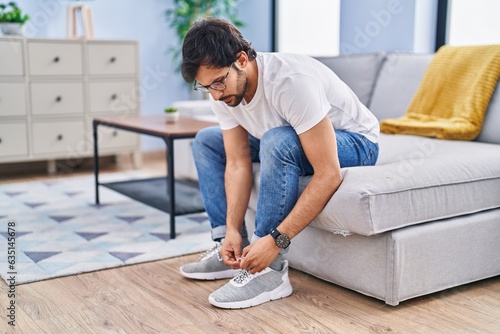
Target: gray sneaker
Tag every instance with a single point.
(246, 290)
(209, 267)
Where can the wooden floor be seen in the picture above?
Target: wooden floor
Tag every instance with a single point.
(154, 298)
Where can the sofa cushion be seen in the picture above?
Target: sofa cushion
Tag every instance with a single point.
(358, 71)
(397, 82)
(491, 124)
(415, 180)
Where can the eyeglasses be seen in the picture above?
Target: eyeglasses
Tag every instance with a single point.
(216, 85)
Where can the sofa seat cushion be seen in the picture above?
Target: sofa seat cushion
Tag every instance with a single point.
(415, 180)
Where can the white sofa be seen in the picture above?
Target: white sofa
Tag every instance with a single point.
(425, 218)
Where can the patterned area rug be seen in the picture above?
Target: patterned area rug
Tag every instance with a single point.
(59, 230)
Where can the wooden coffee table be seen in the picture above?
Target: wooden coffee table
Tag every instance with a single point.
(156, 126)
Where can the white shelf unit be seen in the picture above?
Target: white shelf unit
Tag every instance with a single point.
(50, 90)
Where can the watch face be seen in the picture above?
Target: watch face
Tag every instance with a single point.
(282, 241)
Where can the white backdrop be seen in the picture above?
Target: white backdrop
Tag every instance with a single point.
(474, 22)
(308, 27)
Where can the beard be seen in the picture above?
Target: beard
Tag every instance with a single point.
(241, 87)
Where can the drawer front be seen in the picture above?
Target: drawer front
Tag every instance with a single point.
(112, 96)
(13, 139)
(113, 138)
(57, 98)
(58, 137)
(11, 58)
(55, 58)
(112, 59)
(12, 99)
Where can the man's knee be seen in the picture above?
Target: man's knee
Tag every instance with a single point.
(207, 138)
(279, 140)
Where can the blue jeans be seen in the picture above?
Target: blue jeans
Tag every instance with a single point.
(282, 162)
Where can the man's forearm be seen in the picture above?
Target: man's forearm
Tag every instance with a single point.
(310, 203)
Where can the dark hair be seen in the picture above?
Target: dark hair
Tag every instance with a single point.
(212, 42)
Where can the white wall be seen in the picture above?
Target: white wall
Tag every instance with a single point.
(310, 28)
(474, 22)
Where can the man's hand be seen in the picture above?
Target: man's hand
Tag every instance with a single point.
(259, 255)
(231, 249)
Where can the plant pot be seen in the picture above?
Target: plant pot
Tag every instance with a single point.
(15, 29)
(172, 117)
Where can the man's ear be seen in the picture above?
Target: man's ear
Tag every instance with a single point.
(242, 60)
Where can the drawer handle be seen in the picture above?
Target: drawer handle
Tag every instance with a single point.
(113, 59)
(56, 59)
(58, 99)
(114, 96)
(0, 140)
(115, 133)
(59, 137)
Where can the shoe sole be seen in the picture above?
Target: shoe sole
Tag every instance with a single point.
(282, 291)
(230, 273)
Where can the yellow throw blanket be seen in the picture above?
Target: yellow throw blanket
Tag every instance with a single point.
(453, 95)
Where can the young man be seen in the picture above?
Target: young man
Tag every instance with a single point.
(294, 116)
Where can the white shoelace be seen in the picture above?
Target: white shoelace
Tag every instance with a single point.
(242, 276)
(208, 253)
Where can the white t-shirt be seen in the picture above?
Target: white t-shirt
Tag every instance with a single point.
(299, 91)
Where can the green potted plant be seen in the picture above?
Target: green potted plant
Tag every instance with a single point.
(185, 12)
(12, 19)
(172, 114)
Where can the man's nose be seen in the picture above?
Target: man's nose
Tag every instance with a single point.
(216, 94)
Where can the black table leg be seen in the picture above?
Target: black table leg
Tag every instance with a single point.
(96, 162)
(171, 183)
